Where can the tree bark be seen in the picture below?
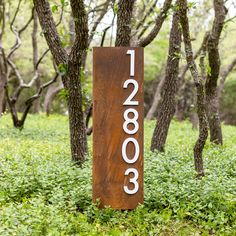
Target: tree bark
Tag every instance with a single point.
(49, 97)
(76, 116)
(199, 83)
(224, 75)
(169, 88)
(36, 107)
(2, 84)
(213, 75)
(124, 17)
(3, 66)
(72, 65)
(156, 100)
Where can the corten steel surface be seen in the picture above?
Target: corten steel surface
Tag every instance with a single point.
(111, 67)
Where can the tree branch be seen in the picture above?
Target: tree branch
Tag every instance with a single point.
(158, 23)
(225, 73)
(50, 32)
(149, 12)
(98, 20)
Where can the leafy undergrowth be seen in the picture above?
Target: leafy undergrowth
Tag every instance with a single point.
(43, 193)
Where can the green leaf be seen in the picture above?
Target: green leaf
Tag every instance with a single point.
(62, 68)
(115, 8)
(54, 8)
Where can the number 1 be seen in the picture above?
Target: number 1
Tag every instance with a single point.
(132, 55)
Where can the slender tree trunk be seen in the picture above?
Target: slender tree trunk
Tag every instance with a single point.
(213, 115)
(199, 83)
(156, 100)
(3, 67)
(36, 106)
(2, 91)
(169, 89)
(49, 97)
(214, 63)
(224, 76)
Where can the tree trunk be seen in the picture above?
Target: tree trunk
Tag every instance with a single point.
(2, 83)
(71, 64)
(169, 89)
(3, 66)
(36, 105)
(2, 93)
(213, 115)
(213, 75)
(156, 100)
(75, 63)
(49, 97)
(199, 83)
(124, 17)
(76, 115)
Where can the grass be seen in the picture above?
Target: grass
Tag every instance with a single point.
(43, 193)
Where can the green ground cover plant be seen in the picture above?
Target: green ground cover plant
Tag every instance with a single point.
(43, 193)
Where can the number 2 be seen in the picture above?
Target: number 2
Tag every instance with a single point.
(129, 101)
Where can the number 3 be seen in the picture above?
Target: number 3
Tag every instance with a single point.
(133, 181)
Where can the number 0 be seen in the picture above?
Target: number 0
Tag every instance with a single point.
(136, 148)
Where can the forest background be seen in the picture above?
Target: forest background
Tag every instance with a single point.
(41, 62)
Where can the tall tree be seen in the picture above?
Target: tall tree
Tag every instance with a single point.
(71, 64)
(213, 75)
(169, 87)
(3, 66)
(200, 89)
(10, 68)
(35, 57)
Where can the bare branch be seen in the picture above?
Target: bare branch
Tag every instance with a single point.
(105, 31)
(61, 16)
(158, 23)
(195, 56)
(27, 23)
(2, 19)
(98, 20)
(15, 14)
(43, 86)
(30, 101)
(145, 28)
(149, 12)
(225, 73)
(98, 8)
(18, 33)
(42, 57)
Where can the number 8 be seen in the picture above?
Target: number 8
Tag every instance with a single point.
(130, 121)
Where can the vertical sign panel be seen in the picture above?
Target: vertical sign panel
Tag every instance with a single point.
(118, 127)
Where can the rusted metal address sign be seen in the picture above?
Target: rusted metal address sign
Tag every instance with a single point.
(118, 127)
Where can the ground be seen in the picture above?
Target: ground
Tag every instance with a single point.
(43, 193)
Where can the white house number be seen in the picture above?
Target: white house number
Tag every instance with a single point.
(131, 112)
